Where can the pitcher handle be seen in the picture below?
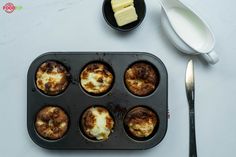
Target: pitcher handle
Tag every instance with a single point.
(211, 57)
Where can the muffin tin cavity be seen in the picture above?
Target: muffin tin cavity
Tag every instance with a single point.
(93, 105)
(97, 123)
(141, 123)
(97, 78)
(52, 78)
(141, 78)
(51, 122)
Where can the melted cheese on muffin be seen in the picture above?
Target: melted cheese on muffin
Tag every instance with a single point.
(51, 78)
(96, 78)
(97, 123)
(143, 129)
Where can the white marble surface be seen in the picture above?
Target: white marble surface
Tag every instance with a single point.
(78, 25)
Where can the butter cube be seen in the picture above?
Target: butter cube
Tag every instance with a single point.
(120, 4)
(126, 16)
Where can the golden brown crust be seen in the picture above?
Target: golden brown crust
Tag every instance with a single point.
(52, 78)
(51, 122)
(96, 78)
(141, 122)
(91, 126)
(141, 79)
(88, 121)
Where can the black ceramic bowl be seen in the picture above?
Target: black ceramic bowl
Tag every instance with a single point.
(108, 15)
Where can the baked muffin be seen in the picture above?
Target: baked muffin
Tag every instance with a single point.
(52, 78)
(96, 78)
(51, 122)
(140, 122)
(141, 79)
(97, 123)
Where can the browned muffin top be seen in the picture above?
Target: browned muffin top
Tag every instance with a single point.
(96, 78)
(97, 123)
(52, 78)
(141, 122)
(51, 122)
(141, 79)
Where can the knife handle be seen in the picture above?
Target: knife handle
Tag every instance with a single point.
(192, 136)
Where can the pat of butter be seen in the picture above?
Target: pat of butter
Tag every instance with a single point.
(126, 16)
(120, 4)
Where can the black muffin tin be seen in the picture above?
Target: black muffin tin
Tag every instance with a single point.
(118, 100)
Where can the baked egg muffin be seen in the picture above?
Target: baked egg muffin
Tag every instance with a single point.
(51, 122)
(140, 122)
(97, 123)
(96, 78)
(52, 78)
(141, 79)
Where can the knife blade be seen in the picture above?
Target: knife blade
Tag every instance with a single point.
(190, 92)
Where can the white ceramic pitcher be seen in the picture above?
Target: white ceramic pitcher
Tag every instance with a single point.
(187, 31)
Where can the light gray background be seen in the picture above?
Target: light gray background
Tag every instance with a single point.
(78, 25)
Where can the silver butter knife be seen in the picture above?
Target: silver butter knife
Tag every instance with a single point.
(190, 91)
